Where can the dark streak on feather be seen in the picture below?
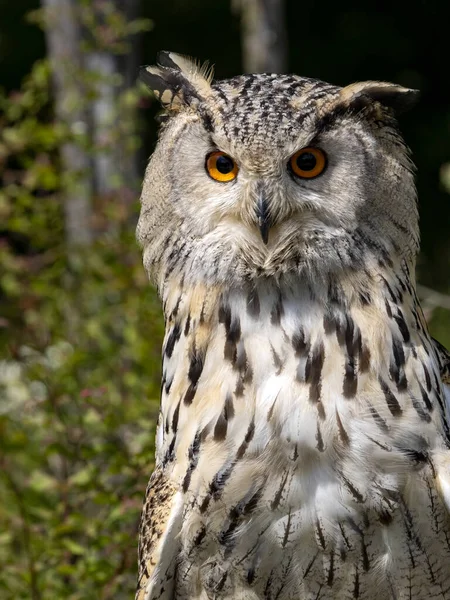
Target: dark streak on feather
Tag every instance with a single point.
(313, 372)
(187, 325)
(278, 363)
(176, 414)
(379, 420)
(388, 309)
(169, 454)
(248, 438)
(425, 416)
(310, 565)
(300, 344)
(403, 328)
(320, 535)
(426, 398)
(364, 359)
(330, 577)
(352, 489)
(216, 486)
(200, 537)
(220, 429)
(427, 377)
(391, 400)
(342, 433)
(173, 338)
(196, 358)
(193, 455)
(350, 378)
(287, 529)
(277, 498)
(397, 365)
(168, 385)
(320, 445)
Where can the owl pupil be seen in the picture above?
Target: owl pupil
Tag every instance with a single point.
(306, 161)
(224, 164)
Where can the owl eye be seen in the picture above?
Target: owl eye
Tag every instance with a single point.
(308, 162)
(221, 167)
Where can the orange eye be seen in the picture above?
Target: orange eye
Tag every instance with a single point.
(221, 167)
(308, 162)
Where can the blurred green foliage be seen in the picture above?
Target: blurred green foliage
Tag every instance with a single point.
(80, 335)
(79, 396)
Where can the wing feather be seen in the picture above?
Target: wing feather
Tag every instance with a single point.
(159, 544)
(443, 356)
(442, 461)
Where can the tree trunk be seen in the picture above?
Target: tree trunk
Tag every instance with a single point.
(264, 36)
(112, 163)
(63, 44)
(103, 111)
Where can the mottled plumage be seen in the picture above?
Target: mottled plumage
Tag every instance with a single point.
(303, 440)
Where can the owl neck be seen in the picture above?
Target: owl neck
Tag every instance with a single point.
(201, 303)
(212, 328)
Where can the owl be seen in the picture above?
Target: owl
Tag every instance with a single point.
(303, 442)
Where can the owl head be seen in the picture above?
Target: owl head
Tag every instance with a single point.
(267, 175)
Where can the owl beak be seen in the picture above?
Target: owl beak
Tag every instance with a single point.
(264, 221)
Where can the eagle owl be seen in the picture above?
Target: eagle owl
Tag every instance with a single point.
(303, 444)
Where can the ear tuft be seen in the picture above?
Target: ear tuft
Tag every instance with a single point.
(195, 71)
(359, 95)
(177, 80)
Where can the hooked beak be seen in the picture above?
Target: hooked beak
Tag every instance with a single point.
(264, 222)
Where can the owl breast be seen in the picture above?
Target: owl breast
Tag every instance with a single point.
(291, 432)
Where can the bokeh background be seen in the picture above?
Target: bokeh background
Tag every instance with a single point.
(80, 328)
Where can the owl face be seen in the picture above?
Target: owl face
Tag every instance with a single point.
(271, 174)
